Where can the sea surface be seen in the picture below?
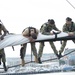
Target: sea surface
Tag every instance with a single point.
(46, 68)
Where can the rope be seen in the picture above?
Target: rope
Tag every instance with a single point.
(57, 58)
(70, 3)
(68, 53)
(19, 64)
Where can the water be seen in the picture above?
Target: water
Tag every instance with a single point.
(49, 68)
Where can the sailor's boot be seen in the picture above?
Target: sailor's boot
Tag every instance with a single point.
(0, 62)
(60, 55)
(22, 62)
(36, 60)
(39, 60)
(0, 58)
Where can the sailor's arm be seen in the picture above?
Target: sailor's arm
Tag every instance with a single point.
(64, 29)
(44, 30)
(26, 34)
(5, 32)
(55, 28)
(74, 28)
(69, 33)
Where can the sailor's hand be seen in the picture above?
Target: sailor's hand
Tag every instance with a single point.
(51, 33)
(70, 33)
(31, 39)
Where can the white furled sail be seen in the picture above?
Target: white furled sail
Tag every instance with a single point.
(18, 39)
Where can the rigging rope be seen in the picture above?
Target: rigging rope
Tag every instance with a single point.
(70, 4)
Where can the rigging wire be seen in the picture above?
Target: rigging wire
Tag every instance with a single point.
(70, 3)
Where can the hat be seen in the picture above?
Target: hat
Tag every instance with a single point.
(68, 19)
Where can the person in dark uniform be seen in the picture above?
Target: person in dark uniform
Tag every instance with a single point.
(2, 53)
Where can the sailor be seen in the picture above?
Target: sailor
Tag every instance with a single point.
(46, 29)
(31, 33)
(2, 53)
(68, 27)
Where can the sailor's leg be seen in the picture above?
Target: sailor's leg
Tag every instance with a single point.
(62, 46)
(4, 60)
(0, 61)
(40, 52)
(0, 56)
(22, 53)
(54, 48)
(33, 48)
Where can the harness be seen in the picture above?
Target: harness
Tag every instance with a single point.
(29, 28)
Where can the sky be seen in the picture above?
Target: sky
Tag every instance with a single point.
(19, 14)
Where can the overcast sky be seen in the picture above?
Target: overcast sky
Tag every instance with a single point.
(19, 14)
